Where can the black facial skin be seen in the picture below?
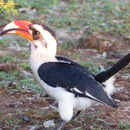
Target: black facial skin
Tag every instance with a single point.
(35, 34)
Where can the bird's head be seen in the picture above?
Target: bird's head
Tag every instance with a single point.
(42, 38)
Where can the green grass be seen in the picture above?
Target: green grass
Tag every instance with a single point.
(22, 82)
(9, 76)
(29, 82)
(101, 16)
(7, 59)
(12, 122)
(23, 54)
(4, 42)
(10, 39)
(92, 67)
(40, 5)
(25, 66)
(124, 125)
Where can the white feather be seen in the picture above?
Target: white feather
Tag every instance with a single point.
(109, 85)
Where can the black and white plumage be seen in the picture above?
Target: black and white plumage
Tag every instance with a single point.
(71, 84)
(73, 79)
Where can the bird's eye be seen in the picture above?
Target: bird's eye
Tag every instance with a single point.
(36, 35)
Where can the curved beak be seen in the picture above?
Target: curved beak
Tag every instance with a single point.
(20, 27)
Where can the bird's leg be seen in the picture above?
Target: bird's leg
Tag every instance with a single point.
(60, 125)
(77, 113)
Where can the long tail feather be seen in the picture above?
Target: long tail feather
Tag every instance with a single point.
(103, 76)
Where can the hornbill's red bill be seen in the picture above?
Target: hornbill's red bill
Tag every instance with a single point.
(71, 84)
(19, 27)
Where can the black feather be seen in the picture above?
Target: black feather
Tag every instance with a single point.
(103, 76)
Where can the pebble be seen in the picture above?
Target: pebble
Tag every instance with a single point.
(33, 127)
(14, 104)
(49, 123)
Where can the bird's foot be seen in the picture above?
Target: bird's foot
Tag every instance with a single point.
(77, 113)
(60, 125)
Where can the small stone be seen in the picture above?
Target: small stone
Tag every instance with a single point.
(104, 54)
(49, 123)
(25, 118)
(33, 127)
(14, 104)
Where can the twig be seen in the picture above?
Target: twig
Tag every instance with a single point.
(107, 123)
(8, 66)
(12, 66)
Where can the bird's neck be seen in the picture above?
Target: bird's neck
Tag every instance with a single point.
(40, 55)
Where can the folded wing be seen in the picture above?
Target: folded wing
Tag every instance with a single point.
(75, 80)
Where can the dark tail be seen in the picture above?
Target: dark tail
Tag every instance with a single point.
(103, 76)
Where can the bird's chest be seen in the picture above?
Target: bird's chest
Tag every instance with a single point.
(35, 63)
(34, 66)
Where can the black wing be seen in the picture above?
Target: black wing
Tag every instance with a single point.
(73, 79)
(83, 68)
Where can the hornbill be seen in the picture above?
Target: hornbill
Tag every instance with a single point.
(71, 84)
